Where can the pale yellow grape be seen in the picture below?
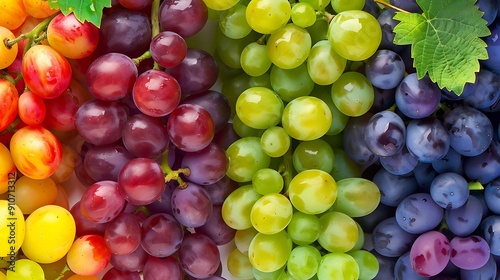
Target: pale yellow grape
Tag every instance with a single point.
(275, 141)
(267, 16)
(346, 5)
(338, 232)
(12, 227)
(220, 5)
(289, 46)
(243, 130)
(291, 83)
(317, 4)
(338, 266)
(353, 94)
(259, 108)
(271, 213)
(339, 120)
(269, 252)
(243, 237)
(324, 64)
(356, 197)
(245, 158)
(237, 207)
(267, 180)
(239, 265)
(306, 118)
(273, 275)
(312, 191)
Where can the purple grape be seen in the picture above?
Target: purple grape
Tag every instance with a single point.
(487, 271)
(387, 23)
(199, 255)
(226, 136)
(161, 235)
(185, 17)
(216, 229)
(191, 206)
(417, 98)
(215, 103)
(383, 99)
(471, 252)
(449, 190)
(430, 253)
(407, 5)
(123, 234)
(386, 266)
(390, 186)
(145, 136)
(102, 202)
(404, 271)
(168, 48)
(141, 181)
(83, 225)
(390, 240)
(427, 139)
(489, 230)
(484, 167)
(418, 213)
(221, 189)
(104, 162)
(469, 89)
(401, 163)
(464, 220)
(164, 268)
(100, 122)
(115, 274)
(353, 141)
(451, 162)
(384, 134)
(385, 69)
(492, 196)
(489, 8)
(493, 48)
(487, 90)
(424, 174)
(207, 166)
(133, 262)
(163, 203)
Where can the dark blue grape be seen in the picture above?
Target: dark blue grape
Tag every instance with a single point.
(386, 266)
(489, 8)
(487, 90)
(427, 139)
(486, 272)
(353, 141)
(451, 162)
(407, 5)
(464, 220)
(492, 196)
(449, 190)
(404, 271)
(489, 229)
(418, 213)
(394, 188)
(484, 167)
(469, 89)
(370, 221)
(424, 174)
(383, 99)
(385, 69)
(493, 48)
(384, 134)
(387, 23)
(417, 98)
(401, 163)
(390, 240)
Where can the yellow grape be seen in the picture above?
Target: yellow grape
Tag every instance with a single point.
(39, 8)
(243, 237)
(7, 55)
(12, 228)
(67, 165)
(269, 252)
(239, 265)
(32, 194)
(338, 232)
(267, 16)
(89, 255)
(338, 266)
(2, 275)
(271, 213)
(237, 207)
(220, 5)
(306, 118)
(12, 14)
(62, 198)
(289, 46)
(26, 269)
(50, 231)
(312, 191)
(7, 169)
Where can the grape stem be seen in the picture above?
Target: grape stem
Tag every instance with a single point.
(6, 76)
(383, 3)
(173, 174)
(33, 34)
(475, 186)
(155, 24)
(326, 15)
(142, 57)
(142, 209)
(63, 271)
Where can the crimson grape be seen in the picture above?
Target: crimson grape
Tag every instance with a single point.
(162, 235)
(168, 48)
(104, 162)
(164, 268)
(133, 262)
(145, 136)
(206, 166)
(102, 202)
(199, 255)
(191, 206)
(185, 17)
(141, 181)
(115, 274)
(215, 103)
(123, 234)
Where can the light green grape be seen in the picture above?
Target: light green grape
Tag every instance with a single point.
(339, 120)
(275, 141)
(356, 197)
(361, 239)
(267, 16)
(259, 108)
(303, 15)
(303, 229)
(243, 237)
(254, 59)
(315, 154)
(263, 80)
(273, 275)
(312, 191)
(244, 130)
(291, 83)
(355, 35)
(306, 118)
(289, 46)
(267, 180)
(271, 213)
(318, 31)
(245, 158)
(346, 5)
(237, 206)
(338, 266)
(232, 86)
(233, 22)
(229, 50)
(316, 4)
(26, 269)
(239, 265)
(303, 262)
(269, 252)
(367, 262)
(353, 94)
(344, 166)
(338, 232)
(220, 5)
(324, 65)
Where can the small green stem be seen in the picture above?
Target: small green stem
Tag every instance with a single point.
(33, 34)
(63, 271)
(155, 24)
(475, 186)
(144, 56)
(326, 15)
(6, 76)
(173, 174)
(382, 2)
(142, 209)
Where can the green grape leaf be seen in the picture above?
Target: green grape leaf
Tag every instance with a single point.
(84, 10)
(445, 41)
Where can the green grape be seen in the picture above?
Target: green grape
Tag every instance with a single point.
(312, 191)
(367, 262)
(289, 46)
(303, 15)
(339, 120)
(303, 262)
(243, 237)
(237, 206)
(338, 266)
(26, 269)
(245, 158)
(232, 87)
(269, 252)
(361, 239)
(324, 65)
(316, 4)
(338, 232)
(239, 265)
(244, 130)
(12, 228)
(355, 35)
(353, 94)
(271, 213)
(356, 197)
(275, 141)
(267, 16)
(233, 22)
(306, 118)
(291, 83)
(346, 5)
(318, 31)
(273, 275)
(344, 166)
(334, 140)
(229, 50)
(315, 154)
(303, 229)
(267, 180)
(263, 80)
(254, 59)
(220, 5)
(259, 107)
(226, 73)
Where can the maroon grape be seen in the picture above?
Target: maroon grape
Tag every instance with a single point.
(104, 162)
(191, 206)
(145, 136)
(83, 225)
(185, 17)
(165, 268)
(206, 166)
(133, 262)
(141, 181)
(216, 229)
(135, 4)
(221, 189)
(168, 48)
(115, 274)
(123, 234)
(226, 136)
(215, 103)
(162, 235)
(102, 202)
(199, 255)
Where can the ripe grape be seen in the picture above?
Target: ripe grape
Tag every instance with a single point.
(306, 118)
(207, 166)
(324, 64)
(238, 265)
(145, 136)
(88, 255)
(267, 16)
(269, 252)
(291, 83)
(161, 235)
(417, 98)
(216, 229)
(271, 213)
(289, 46)
(303, 228)
(115, 274)
(418, 213)
(430, 253)
(471, 252)
(237, 207)
(233, 23)
(215, 103)
(168, 48)
(32, 108)
(32, 194)
(275, 142)
(133, 262)
(259, 107)
(12, 233)
(13, 14)
(353, 94)
(338, 265)
(162, 268)
(367, 263)
(7, 53)
(390, 240)
(26, 269)
(356, 197)
(123, 234)
(8, 103)
(312, 191)
(385, 133)
(191, 206)
(141, 181)
(303, 14)
(174, 14)
(338, 232)
(314, 154)
(199, 255)
(102, 202)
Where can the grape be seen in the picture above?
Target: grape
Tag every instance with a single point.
(303, 228)
(9, 98)
(353, 141)
(88, 255)
(470, 252)
(254, 59)
(161, 235)
(83, 225)
(133, 262)
(242, 239)
(338, 232)
(111, 76)
(289, 46)
(243, 130)
(386, 266)
(215, 103)
(144, 136)
(207, 166)
(8, 54)
(259, 107)
(315, 154)
(344, 166)
(102, 202)
(275, 142)
(390, 240)
(367, 262)
(303, 262)
(199, 255)
(238, 265)
(402, 162)
(352, 94)
(427, 139)
(303, 14)
(267, 181)
(486, 92)
(220, 190)
(12, 232)
(291, 83)
(220, 5)
(488, 8)
(387, 23)
(451, 162)
(7, 169)
(26, 269)
(230, 50)
(115, 274)
(408, 5)
(271, 213)
(237, 207)
(430, 253)
(358, 43)
(487, 271)
(338, 265)
(31, 194)
(492, 48)
(385, 133)
(269, 252)
(390, 186)
(216, 229)
(104, 162)
(339, 120)
(173, 16)
(232, 22)
(306, 118)
(32, 109)
(356, 197)
(267, 16)
(191, 206)
(464, 220)
(324, 65)
(245, 158)
(168, 48)
(417, 98)
(312, 191)
(13, 14)
(162, 268)
(39, 9)
(141, 181)
(100, 122)
(123, 234)
(418, 213)
(449, 190)
(484, 167)
(385, 69)
(403, 269)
